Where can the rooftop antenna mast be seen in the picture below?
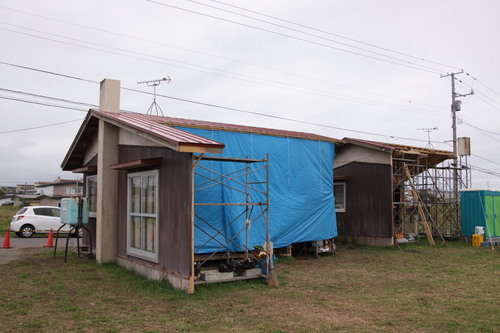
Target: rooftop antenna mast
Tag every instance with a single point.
(429, 130)
(154, 106)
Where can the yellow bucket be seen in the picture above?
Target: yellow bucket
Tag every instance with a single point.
(477, 240)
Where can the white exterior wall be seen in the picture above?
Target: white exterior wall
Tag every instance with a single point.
(45, 190)
(352, 153)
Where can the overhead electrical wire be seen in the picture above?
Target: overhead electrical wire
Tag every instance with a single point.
(39, 127)
(208, 70)
(478, 128)
(48, 97)
(204, 104)
(478, 93)
(335, 35)
(42, 103)
(433, 71)
(483, 84)
(482, 170)
(177, 99)
(213, 106)
(216, 56)
(315, 36)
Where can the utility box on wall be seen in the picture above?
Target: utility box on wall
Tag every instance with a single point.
(69, 210)
(480, 208)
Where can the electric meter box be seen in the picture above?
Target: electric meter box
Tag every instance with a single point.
(69, 211)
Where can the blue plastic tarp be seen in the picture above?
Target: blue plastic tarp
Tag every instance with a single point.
(302, 204)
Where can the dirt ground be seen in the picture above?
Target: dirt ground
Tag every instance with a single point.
(16, 253)
(23, 248)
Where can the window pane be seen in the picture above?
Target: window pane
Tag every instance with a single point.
(142, 210)
(339, 192)
(135, 232)
(149, 227)
(92, 193)
(149, 188)
(56, 212)
(135, 195)
(43, 211)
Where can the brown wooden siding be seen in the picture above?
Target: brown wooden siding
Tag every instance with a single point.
(368, 200)
(175, 192)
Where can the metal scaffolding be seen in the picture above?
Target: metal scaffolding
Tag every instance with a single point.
(234, 257)
(434, 187)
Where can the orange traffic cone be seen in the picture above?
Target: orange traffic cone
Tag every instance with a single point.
(6, 240)
(50, 240)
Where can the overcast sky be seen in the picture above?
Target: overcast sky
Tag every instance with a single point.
(359, 68)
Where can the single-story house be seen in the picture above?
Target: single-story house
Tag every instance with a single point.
(371, 187)
(164, 190)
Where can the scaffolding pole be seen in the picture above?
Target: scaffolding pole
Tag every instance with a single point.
(251, 181)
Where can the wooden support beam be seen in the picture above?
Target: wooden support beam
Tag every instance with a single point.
(419, 206)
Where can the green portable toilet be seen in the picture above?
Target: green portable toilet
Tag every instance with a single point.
(480, 208)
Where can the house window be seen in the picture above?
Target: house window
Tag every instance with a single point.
(339, 193)
(142, 211)
(91, 182)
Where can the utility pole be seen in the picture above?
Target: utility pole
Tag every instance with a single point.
(455, 106)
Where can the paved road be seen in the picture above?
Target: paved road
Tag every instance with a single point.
(23, 247)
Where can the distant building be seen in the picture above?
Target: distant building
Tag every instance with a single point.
(25, 188)
(48, 193)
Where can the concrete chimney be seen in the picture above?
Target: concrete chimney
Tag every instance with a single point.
(110, 96)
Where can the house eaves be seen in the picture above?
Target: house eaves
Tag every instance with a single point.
(432, 156)
(144, 126)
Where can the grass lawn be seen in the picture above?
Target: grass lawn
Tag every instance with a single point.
(6, 213)
(419, 288)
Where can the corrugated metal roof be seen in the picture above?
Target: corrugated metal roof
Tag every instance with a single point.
(401, 148)
(180, 122)
(153, 126)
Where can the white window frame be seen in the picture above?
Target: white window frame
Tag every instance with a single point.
(343, 184)
(92, 199)
(136, 252)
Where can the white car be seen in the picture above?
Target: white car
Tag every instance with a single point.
(37, 219)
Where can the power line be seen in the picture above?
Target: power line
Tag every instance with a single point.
(482, 170)
(42, 126)
(312, 35)
(477, 128)
(483, 84)
(213, 106)
(273, 116)
(332, 34)
(433, 71)
(48, 97)
(235, 60)
(245, 111)
(41, 103)
(47, 72)
(485, 159)
(261, 81)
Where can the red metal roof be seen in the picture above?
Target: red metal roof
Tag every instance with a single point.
(180, 122)
(153, 126)
(156, 124)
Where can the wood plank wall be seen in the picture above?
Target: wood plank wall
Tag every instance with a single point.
(175, 192)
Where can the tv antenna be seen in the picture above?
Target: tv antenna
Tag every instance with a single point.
(429, 130)
(154, 83)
